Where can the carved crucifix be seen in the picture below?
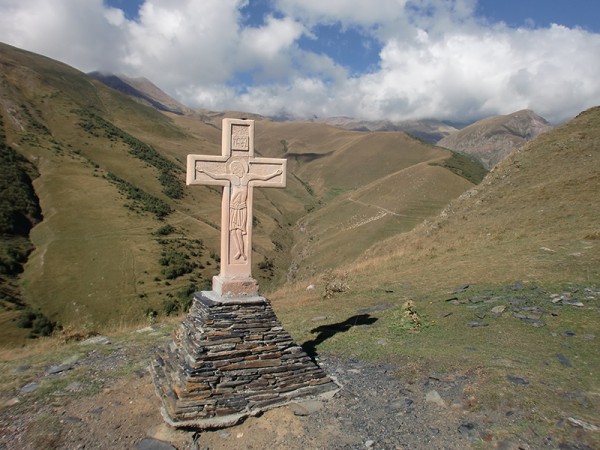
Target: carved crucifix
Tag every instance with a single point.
(238, 171)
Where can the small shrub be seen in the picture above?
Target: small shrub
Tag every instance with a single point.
(165, 230)
(37, 322)
(171, 306)
(150, 314)
(407, 319)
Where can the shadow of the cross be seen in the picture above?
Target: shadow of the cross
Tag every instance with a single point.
(329, 330)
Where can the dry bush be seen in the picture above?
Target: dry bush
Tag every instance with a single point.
(334, 283)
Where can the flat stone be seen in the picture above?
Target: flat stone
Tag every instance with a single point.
(582, 424)
(53, 370)
(71, 419)
(536, 315)
(461, 288)
(306, 408)
(153, 444)
(98, 340)
(398, 405)
(475, 323)
(319, 318)
(517, 380)
(467, 428)
(147, 329)
(498, 309)
(166, 433)
(434, 397)
(74, 387)
(11, 402)
(563, 360)
(573, 303)
(29, 387)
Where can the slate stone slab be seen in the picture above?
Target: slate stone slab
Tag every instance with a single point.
(29, 387)
(517, 380)
(153, 444)
(229, 361)
(563, 360)
(475, 323)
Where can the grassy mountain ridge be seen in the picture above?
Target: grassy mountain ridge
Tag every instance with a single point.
(533, 217)
(122, 239)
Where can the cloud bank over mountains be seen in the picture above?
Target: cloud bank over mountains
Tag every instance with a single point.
(392, 59)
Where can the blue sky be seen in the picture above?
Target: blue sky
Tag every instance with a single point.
(375, 59)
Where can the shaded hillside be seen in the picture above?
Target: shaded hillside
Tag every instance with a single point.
(19, 212)
(141, 89)
(490, 140)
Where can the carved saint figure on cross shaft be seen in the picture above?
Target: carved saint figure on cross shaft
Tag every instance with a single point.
(239, 176)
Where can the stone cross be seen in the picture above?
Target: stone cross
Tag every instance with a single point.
(238, 171)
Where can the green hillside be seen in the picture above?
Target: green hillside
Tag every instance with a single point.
(122, 239)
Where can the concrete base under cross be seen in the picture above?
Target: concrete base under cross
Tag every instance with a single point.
(231, 359)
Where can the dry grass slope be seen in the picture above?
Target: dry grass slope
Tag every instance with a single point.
(535, 217)
(525, 236)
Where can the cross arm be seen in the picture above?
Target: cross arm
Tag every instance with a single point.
(268, 172)
(207, 170)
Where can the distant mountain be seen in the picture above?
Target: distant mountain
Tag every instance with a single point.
(142, 90)
(428, 130)
(492, 139)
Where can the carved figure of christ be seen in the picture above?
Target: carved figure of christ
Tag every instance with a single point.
(238, 171)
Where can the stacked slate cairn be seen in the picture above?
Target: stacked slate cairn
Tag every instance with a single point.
(231, 359)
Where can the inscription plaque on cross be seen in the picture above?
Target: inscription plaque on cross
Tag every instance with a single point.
(238, 171)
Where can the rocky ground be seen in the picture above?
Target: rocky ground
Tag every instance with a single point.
(101, 396)
(373, 410)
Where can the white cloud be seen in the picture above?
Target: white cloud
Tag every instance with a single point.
(437, 58)
(271, 39)
(195, 43)
(79, 33)
(347, 12)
